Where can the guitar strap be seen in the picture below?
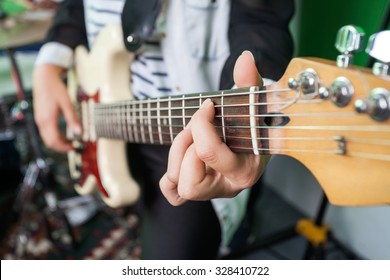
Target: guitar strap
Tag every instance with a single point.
(138, 19)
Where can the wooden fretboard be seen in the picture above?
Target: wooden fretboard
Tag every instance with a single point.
(159, 120)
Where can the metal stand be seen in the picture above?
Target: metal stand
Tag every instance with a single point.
(315, 232)
(38, 180)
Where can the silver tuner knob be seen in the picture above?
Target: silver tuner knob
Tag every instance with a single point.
(378, 47)
(307, 81)
(348, 41)
(377, 105)
(341, 91)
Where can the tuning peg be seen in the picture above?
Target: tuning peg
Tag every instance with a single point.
(378, 47)
(348, 41)
(377, 105)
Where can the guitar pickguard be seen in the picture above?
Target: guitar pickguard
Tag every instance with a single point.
(99, 164)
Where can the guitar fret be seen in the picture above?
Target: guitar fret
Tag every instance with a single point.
(141, 115)
(150, 124)
(129, 126)
(107, 120)
(163, 121)
(159, 122)
(223, 118)
(113, 118)
(112, 128)
(121, 131)
(124, 123)
(120, 127)
(252, 119)
(170, 118)
(183, 111)
(117, 128)
(102, 112)
(117, 122)
(99, 121)
(134, 121)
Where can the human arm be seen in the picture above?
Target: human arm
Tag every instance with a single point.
(50, 95)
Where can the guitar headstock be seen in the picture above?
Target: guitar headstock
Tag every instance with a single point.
(344, 84)
(337, 120)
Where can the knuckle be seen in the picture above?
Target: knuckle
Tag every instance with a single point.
(166, 185)
(174, 202)
(246, 180)
(207, 155)
(171, 178)
(188, 192)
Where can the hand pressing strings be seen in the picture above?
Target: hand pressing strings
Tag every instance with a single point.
(200, 165)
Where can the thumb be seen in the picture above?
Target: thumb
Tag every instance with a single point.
(245, 71)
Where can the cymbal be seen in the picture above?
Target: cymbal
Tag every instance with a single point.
(26, 29)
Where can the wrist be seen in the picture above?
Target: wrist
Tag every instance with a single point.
(55, 53)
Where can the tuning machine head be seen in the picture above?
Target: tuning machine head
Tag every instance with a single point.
(378, 47)
(307, 82)
(377, 105)
(349, 40)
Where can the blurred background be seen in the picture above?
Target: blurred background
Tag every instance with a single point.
(363, 229)
(356, 232)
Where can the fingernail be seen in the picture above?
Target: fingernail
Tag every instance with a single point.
(206, 103)
(250, 53)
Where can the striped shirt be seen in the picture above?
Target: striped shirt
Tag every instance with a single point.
(149, 75)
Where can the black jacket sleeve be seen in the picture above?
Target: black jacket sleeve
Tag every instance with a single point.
(68, 25)
(262, 27)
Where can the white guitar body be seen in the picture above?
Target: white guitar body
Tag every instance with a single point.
(104, 71)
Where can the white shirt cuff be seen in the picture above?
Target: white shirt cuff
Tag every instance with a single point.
(55, 53)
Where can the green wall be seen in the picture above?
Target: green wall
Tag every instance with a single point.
(316, 23)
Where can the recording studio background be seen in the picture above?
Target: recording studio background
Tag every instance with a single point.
(364, 230)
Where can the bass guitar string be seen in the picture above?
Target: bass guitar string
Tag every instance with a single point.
(120, 111)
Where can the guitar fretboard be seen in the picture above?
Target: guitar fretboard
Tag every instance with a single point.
(159, 120)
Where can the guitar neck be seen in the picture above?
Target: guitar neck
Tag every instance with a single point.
(159, 120)
(333, 120)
